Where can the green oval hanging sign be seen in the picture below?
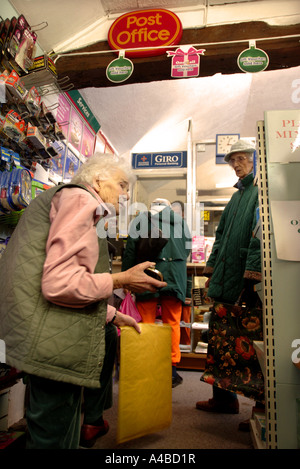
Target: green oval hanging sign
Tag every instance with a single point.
(253, 60)
(119, 69)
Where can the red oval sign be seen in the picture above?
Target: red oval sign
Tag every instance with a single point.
(145, 28)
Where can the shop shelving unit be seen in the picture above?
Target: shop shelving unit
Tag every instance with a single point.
(280, 290)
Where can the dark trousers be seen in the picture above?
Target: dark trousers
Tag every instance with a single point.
(223, 396)
(54, 410)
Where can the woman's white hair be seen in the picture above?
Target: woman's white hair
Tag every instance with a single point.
(103, 166)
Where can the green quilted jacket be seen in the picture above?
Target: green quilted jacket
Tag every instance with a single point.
(41, 338)
(236, 253)
(171, 261)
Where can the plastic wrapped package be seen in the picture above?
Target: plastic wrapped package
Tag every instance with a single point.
(4, 205)
(145, 386)
(19, 189)
(15, 190)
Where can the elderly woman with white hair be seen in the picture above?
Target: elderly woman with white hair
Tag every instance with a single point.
(54, 317)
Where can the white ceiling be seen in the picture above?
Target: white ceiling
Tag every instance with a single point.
(133, 117)
(63, 25)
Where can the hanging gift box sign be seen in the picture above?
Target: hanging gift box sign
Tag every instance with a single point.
(253, 60)
(185, 63)
(119, 69)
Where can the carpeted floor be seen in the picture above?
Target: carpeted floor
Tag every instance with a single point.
(190, 428)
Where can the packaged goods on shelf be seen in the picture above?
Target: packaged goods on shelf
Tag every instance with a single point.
(15, 85)
(36, 137)
(201, 347)
(13, 126)
(41, 73)
(260, 424)
(18, 47)
(15, 190)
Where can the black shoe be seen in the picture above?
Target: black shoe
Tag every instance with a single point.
(176, 380)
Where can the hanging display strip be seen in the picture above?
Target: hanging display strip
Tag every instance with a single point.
(270, 379)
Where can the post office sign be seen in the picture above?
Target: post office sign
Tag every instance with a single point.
(146, 30)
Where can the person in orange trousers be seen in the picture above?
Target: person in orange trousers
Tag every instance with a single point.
(171, 262)
(171, 309)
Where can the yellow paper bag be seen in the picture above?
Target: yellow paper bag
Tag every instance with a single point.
(145, 384)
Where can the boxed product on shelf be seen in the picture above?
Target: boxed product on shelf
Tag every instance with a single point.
(15, 85)
(38, 187)
(20, 48)
(201, 347)
(198, 249)
(35, 137)
(6, 156)
(33, 99)
(209, 242)
(13, 126)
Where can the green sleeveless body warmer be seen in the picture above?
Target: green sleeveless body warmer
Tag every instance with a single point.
(41, 338)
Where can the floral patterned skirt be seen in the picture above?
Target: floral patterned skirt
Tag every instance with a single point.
(232, 363)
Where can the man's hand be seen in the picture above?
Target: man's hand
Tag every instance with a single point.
(206, 285)
(124, 320)
(136, 280)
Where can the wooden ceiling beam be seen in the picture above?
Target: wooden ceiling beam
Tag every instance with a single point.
(221, 44)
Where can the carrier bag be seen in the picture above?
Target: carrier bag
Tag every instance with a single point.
(128, 307)
(232, 363)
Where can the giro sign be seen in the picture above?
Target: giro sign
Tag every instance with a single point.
(145, 29)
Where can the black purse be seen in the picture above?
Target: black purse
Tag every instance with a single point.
(149, 248)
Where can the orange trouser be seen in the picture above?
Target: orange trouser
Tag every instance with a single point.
(171, 309)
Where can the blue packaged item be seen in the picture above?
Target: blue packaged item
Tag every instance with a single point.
(19, 189)
(4, 205)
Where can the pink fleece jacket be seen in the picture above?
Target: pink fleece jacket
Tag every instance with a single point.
(72, 252)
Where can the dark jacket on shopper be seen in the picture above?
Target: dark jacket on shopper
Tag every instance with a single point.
(41, 338)
(171, 261)
(236, 253)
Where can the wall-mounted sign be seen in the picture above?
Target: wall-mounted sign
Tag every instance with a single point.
(172, 159)
(78, 126)
(283, 136)
(83, 109)
(119, 69)
(185, 63)
(253, 60)
(145, 29)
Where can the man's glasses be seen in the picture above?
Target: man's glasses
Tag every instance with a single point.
(238, 159)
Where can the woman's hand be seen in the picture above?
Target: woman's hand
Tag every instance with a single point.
(136, 280)
(124, 320)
